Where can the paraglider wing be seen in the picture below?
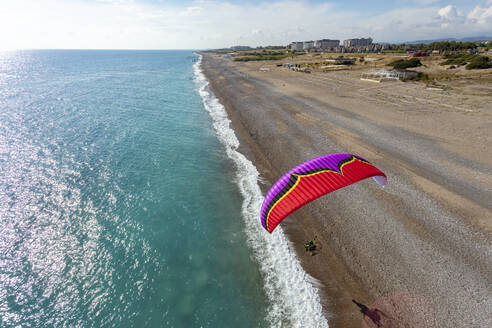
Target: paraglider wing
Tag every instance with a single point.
(313, 179)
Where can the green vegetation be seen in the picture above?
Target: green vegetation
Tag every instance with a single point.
(457, 59)
(443, 46)
(262, 52)
(473, 61)
(479, 62)
(404, 64)
(271, 47)
(420, 77)
(394, 51)
(265, 57)
(449, 46)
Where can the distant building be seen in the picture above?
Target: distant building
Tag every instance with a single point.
(308, 45)
(357, 42)
(326, 44)
(297, 46)
(239, 48)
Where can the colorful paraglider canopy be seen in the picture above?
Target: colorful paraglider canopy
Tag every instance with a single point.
(313, 179)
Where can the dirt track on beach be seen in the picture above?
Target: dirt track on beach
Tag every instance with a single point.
(421, 248)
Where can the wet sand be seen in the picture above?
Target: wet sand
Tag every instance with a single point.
(421, 248)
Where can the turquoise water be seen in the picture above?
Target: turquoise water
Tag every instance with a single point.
(118, 203)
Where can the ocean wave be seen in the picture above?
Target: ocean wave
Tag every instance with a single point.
(293, 295)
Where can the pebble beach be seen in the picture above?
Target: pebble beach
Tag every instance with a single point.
(419, 249)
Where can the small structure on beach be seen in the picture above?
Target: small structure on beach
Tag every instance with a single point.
(322, 66)
(419, 54)
(302, 67)
(341, 60)
(387, 75)
(328, 68)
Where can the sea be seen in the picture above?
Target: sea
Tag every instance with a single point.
(124, 201)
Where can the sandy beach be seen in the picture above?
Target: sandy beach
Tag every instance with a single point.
(421, 248)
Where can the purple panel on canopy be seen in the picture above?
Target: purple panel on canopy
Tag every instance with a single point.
(329, 161)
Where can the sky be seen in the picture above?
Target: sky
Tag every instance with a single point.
(203, 24)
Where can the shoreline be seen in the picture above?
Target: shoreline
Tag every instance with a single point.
(252, 150)
(278, 265)
(366, 256)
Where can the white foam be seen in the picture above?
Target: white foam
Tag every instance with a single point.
(293, 295)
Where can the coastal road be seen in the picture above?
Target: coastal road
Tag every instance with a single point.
(426, 237)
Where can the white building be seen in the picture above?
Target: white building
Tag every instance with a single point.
(357, 42)
(297, 46)
(326, 44)
(308, 45)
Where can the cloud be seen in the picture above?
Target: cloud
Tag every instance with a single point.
(450, 16)
(192, 11)
(256, 32)
(449, 12)
(481, 15)
(202, 24)
(422, 2)
(477, 19)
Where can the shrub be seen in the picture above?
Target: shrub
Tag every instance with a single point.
(479, 62)
(458, 59)
(420, 77)
(404, 64)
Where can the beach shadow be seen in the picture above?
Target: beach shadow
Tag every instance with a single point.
(402, 310)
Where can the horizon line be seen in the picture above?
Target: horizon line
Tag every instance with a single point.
(101, 49)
